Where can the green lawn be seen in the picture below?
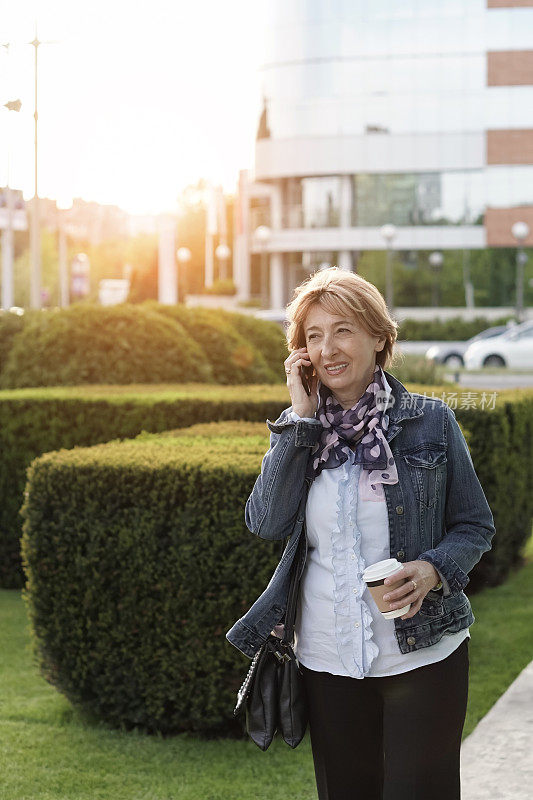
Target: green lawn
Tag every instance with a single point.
(48, 751)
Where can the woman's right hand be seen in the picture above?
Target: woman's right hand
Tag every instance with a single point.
(303, 404)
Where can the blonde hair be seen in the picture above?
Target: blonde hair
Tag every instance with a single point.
(339, 291)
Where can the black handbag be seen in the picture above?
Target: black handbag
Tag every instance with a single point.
(273, 692)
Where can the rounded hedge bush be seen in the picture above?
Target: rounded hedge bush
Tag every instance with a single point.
(89, 343)
(268, 337)
(138, 561)
(10, 325)
(233, 358)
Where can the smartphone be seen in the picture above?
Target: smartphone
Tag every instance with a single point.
(306, 374)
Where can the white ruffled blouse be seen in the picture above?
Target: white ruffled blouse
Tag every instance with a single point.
(338, 627)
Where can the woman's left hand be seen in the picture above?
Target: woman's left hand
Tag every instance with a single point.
(421, 578)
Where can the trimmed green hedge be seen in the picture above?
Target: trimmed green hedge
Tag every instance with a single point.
(35, 421)
(232, 357)
(453, 329)
(10, 325)
(95, 344)
(411, 368)
(138, 561)
(267, 337)
(146, 343)
(501, 446)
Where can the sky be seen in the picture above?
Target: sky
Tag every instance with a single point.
(136, 99)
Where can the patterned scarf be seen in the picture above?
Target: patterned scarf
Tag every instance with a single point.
(365, 424)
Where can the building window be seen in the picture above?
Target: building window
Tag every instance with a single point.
(312, 202)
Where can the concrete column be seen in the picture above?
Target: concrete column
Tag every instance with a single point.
(345, 260)
(241, 239)
(346, 202)
(276, 206)
(63, 266)
(345, 256)
(167, 276)
(7, 268)
(277, 284)
(35, 248)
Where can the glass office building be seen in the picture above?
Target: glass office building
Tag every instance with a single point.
(417, 113)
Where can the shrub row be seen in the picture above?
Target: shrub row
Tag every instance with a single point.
(454, 329)
(501, 446)
(35, 421)
(137, 561)
(153, 343)
(147, 343)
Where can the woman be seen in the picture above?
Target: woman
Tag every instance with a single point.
(366, 471)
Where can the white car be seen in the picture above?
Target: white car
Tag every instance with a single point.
(451, 353)
(511, 349)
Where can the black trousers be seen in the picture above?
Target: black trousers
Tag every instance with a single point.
(394, 738)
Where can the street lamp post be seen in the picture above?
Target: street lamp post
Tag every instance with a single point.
(520, 231)
(35, 231)
(435, 262)
(262, 234)
(388, 232)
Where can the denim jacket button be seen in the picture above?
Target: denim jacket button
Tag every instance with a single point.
(399, 509)
(411, 640)
(400, 554)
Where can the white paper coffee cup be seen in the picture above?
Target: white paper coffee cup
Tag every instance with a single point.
(374, 577)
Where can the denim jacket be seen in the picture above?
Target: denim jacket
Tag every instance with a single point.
(437, 512)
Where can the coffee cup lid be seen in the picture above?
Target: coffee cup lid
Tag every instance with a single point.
(382, 569)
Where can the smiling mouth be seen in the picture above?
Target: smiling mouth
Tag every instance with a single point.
(336, 370)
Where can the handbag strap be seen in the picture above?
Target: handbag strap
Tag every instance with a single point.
(292, 595)
(294, 585)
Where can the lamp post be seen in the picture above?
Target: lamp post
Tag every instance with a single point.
(222, 253)
(183, 256)
(520, 231)
(435, 262)
(35, 231)
(388, 232)
(262, 234)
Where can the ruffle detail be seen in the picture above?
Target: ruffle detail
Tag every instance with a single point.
(353, 619)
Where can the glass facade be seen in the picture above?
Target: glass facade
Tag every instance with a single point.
(311, 202)
(344, 67)
(340, 68)
(423, 198)
(455, 197)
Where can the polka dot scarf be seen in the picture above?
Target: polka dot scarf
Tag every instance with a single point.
(365, 424)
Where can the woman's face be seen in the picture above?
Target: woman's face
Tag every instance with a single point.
(341, 351)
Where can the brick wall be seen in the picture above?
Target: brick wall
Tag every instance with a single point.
(510, 68)
(499, 221)
(510, 146)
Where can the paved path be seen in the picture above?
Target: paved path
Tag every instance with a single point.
(497, 758)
